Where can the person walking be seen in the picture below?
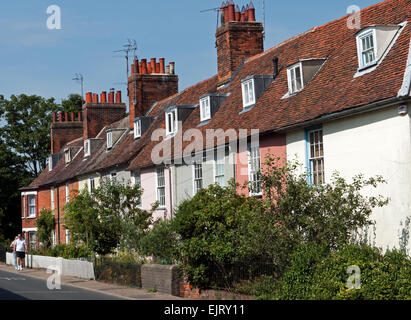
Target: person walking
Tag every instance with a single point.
(21, 248)
(13, 245)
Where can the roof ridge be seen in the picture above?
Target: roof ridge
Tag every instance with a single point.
(313, 29)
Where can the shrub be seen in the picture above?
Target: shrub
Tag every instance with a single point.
(211, 226)
(161, 243)
(45, 225)
(70, 251)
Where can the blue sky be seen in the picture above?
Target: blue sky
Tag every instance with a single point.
(36, 60)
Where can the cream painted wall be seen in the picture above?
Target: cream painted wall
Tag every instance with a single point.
(375, 143)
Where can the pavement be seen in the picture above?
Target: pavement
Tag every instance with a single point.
(32, 284)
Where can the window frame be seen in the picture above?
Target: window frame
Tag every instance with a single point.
(360, 49)
(91, 185)
(137, 181)
(109, 139)
(87, 149)
(245, 93)
(160, 187)
(197, 165)
(52, 199)
(216, 164)
(204, 116)
(292, 71)
(67, 197)
(137, 129)
(175, 122)
(29, 205)
(312, 180)
(252, 172)
(67, 156)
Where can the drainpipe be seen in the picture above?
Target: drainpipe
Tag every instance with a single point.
(171, 192)
(58, 215)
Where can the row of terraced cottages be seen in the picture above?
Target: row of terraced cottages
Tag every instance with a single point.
(333, 98)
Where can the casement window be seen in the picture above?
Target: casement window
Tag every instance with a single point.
(161, 187)
(248, 93)
(316, 156)
(67, 193)
(91, 185)
(198, 177)
(50, 163)
(295, 78)
(205, 109)
(254, 167)
(137, 129)
(67, 156)
(52, 199)
(32, 206)
(109, 140)
(87, 148)
(219, 169)
(171, 122)
(366, 44)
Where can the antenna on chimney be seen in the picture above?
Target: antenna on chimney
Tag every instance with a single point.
(129, 48)
(79, 77)
(213, 9)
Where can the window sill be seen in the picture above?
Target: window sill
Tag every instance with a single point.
(246, 109)
(31, 217)
(256, 195)
(368, 66)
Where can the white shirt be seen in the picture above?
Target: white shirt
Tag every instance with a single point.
(20, 245)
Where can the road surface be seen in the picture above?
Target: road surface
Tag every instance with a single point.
(20, 287)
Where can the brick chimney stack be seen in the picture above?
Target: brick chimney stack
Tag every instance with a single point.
(151, 82)
(97, 114)
(65, 129)
(239, 37)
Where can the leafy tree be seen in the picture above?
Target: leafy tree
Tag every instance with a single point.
(13, 175)
(73, 103)
(109, 217)
(45, 226)
(27, 128)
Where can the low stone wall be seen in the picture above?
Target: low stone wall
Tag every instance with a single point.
(162, 278)
(74, 268)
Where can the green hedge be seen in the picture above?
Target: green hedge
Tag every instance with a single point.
(315, 274)
(65, 251)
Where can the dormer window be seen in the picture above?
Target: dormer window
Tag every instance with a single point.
(50, 163)
(205, 109)
(109, 140)
(248, 93)
(367, 48)
(171, 122)
(87, 148)
(137, 129)
(67, 156)
(295, 78)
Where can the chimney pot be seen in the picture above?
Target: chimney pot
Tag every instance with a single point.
(103, 97)
(136, 66)
(111, 97)
(88, 97)
(143, 66)
(79, 116)
(95, 98)
(54, 117)
(153, 65)
(172, 67)
(72, 116)
(132, 69)
(231, 12)
(162, 62)
(118, 97)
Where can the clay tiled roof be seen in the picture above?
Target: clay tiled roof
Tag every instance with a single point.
(333, 89)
